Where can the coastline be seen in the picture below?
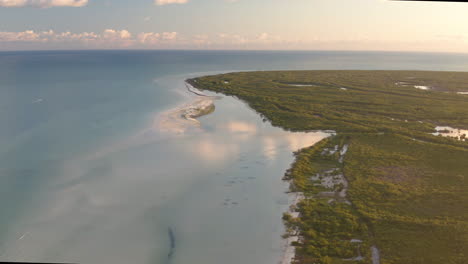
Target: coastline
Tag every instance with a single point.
(178, 120)
(290, 236)
(320, 186)
(184, 117)
(391, 153)
(330, 187)
(289, 251)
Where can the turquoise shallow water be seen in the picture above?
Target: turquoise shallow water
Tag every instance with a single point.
(87, 175)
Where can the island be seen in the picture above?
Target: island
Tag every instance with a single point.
(391, 185)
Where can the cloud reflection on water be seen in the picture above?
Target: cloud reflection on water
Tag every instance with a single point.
(224, 142)
(115, 203)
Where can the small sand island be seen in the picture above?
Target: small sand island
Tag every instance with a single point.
(199, 108)
(179, 119)
(390, 185)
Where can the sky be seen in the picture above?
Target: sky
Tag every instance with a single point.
(233, 24)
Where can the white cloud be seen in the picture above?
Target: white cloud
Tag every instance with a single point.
(112, 38)
(123, 39)
(12, 3)
(167, 2)
(169, 35)
(149, 38)
(152, 38)
(42, 3)
(112, 34)
(232, 38)
(27, 35)
(201, 40)
(109, 38)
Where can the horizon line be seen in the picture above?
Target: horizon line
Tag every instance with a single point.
(242, 50)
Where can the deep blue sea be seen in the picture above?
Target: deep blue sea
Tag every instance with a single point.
(89, 175)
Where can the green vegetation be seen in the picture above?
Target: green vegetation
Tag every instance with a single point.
(408, 189)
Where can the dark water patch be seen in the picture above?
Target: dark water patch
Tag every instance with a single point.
(172, 244)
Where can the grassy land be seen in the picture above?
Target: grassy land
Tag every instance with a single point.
(408, 190)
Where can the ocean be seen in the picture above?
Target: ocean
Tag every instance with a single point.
(90, 173)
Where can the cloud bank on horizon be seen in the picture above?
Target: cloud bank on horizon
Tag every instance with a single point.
(69, 3)
(123, 39)
(43, 3)
(167, 2)
(233, 24)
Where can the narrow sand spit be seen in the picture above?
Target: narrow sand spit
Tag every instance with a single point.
(194, 90)
(179, 119)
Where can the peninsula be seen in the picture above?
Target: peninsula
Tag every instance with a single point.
(391, 186)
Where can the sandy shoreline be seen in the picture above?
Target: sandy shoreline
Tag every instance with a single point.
(329, 179)
(289, 251)
(179, 119)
